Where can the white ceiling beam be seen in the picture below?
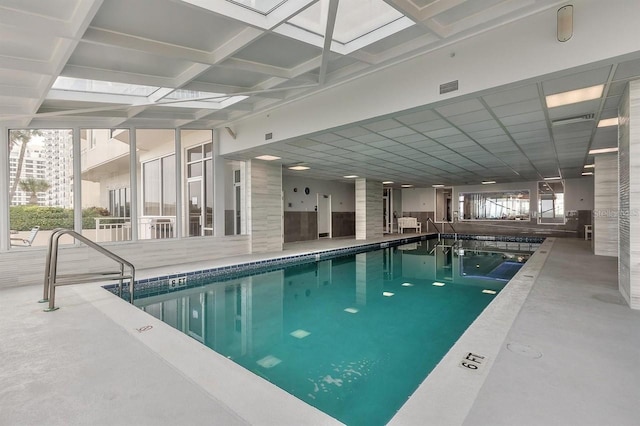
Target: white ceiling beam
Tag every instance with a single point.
(244, 65)
(238, 42)
(159, 94)
(423, 13)
(190, 74)
(26, 65)
(90, 73)
(32, 23)
(328, 39)
(83, 15)
(19, 92)
(104, 37)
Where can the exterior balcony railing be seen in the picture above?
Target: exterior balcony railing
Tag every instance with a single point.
(119, 228)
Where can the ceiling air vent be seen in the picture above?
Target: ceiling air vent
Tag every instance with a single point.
(451, 86)
(572, 120)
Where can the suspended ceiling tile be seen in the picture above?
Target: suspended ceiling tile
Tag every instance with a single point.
(576, 81)
(512, 96)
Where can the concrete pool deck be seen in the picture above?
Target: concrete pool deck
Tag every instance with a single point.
(568, 356)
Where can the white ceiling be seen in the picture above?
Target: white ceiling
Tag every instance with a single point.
(505, 134)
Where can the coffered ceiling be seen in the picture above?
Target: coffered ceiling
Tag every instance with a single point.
(205, 63)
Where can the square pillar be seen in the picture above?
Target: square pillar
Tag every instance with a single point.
(369, 209)
(629, 195)
(605, 212)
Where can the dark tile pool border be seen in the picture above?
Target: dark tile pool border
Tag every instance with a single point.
(169, 283)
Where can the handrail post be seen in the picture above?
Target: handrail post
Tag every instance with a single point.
(47, 266)
(53, 269)
(51, 265)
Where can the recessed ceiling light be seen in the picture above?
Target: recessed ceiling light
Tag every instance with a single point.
(387, 294)
(553, 178)
(574, 96)
(608, 122)
(438, 186)
(488, 182)
(267, 157)
(299, 168)
(485, 291)
(407, 285)
(350, 177)
(406, 185)
(438, 284)
(589, 166)
(387, 182)
(587, 173)
(602, 151)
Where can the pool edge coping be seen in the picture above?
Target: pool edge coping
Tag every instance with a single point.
(448, 393)
(118, 310)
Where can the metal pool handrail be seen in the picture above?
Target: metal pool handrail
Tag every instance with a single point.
(51, 278)
(455, 233)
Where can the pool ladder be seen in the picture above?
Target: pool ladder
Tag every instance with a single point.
(52, 279)
(455, 233)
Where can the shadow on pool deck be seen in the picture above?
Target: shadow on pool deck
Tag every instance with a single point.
(87, 363)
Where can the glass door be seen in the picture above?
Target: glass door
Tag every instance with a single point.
(200, 190)
(195, 207)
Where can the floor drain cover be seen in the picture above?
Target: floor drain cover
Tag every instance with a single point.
(525, 350)
(529, 276)
(543, 251)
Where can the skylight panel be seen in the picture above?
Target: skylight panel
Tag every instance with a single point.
(193, 94)
(354, 19)
(260, 6)
(134, 94)
(98, 86)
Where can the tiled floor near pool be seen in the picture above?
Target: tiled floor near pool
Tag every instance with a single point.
(570, 357)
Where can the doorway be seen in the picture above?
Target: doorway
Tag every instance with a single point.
(443, 210)
(387, 209)
(324, 215)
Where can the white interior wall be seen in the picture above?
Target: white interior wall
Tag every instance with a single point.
(418, 200)
(578, 193)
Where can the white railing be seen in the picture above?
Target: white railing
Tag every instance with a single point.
(113, 229)
(149, 227)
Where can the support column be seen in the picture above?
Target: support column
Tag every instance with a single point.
(369, 214)
(4, 189)
(218, 187)
(133, 183)
(77, 181)
(179, 227)
(629, 195)
(605, 212)
(264, 206)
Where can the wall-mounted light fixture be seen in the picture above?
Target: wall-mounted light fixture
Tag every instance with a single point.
(231, 132)
(565, 23)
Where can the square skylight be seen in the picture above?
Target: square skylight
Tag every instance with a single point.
(260, 6)
(97, 86)
(69, 88)
(358, 23)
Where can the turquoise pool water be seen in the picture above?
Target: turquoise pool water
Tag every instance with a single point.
(353, 336)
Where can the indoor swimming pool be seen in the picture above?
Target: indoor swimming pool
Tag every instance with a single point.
(353, 335)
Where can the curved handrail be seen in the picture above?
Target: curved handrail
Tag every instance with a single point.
(52, 264)
(452, 228)
(434, 225)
